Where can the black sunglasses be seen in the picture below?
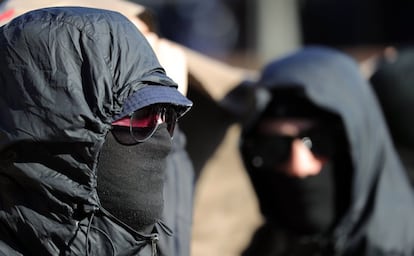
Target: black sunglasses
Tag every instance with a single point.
(270, 150)
(142, 124)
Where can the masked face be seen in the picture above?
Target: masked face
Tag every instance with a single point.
(293, 165)
(131, 178)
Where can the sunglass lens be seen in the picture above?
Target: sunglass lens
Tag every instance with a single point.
(144, 122)
(322, 143)
(281, 147)
(170, 117)
(122, 134)
(271, 150)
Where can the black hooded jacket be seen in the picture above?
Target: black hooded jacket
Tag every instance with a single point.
(379, 219)
(65, 74)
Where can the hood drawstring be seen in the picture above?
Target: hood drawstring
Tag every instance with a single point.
(89, 227)
(87, 234)
(152, 238)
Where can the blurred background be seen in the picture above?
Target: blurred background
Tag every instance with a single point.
(266, 28)
(249, 33)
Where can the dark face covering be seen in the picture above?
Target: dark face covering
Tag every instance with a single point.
(301, 206)
(131, 178)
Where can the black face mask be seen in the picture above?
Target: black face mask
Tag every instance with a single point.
(303, 206)
(131, 178)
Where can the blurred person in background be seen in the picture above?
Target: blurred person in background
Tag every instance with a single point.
(320, 158)
(86, 127)
(393, 82)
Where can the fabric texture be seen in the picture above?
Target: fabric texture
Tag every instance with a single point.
(377, 218)
(393, 83)
(66, 73)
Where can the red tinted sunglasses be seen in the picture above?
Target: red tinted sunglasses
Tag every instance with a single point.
(142, 124)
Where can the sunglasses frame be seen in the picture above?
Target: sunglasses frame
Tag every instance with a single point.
(164, 114)
(262, 150)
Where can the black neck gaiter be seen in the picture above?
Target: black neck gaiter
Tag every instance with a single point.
(301, 206)
(131, 178)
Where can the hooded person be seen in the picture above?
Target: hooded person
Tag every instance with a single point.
(320, 158)
(180, 176)
(87, 114)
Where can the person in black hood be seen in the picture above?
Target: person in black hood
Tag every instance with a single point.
(86, 119)
(320, 158)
